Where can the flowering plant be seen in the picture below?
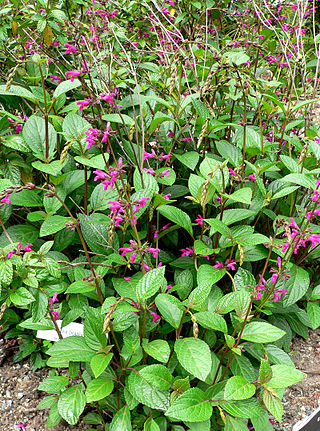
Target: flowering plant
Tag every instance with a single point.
(160, 184)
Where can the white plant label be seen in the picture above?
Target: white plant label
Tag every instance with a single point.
(67, 331)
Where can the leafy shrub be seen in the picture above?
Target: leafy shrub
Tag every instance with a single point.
(159, 183)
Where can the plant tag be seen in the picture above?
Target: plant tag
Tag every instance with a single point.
(310, 423)
(67, 331)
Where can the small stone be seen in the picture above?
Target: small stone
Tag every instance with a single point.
(9, 402)
(8, 395)
(20, 395)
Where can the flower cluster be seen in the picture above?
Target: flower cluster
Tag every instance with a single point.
(52, 301)
(229, 264)
(19, 250)
(120, 210)
(135, 250)
(109, 178)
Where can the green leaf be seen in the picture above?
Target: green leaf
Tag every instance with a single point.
(220, 227)
(6, 272)
(34, 133)
(53, 385)
(99, 363)
(121, 420)
(28, 198)
(313, 311)
(170, 308)
(53, 168)
(238, 388)
(233, 424)
(189, 159)
(150, 283)
(54, 416)
(158, 349)
(151, 425)
(192, 406)
(16, 142)
(72, 349)
(22, 297)
(119, 119)
(96, 162)
(98, 389)
(284, 192)
(177, 216)
(146, 393)
(284, 375)
(243, 408)
(301, 179)
(64, 87)
(201, 109)
(265, 372)
(243, 195)
(297, 285)
(157, 375)
(74, 126)
(211, 320)
(235, 215)
(53, 224)
(71, 404)
(261, 332)
(202, 249)
(93, 334)
(273, 404)
(16, 90)
(194, 356)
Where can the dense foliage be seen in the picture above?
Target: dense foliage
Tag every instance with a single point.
(160, 184)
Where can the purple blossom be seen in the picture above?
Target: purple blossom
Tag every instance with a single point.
(6, 199)
(70, 48)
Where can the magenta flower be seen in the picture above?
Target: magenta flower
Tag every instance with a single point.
(165, 173)
(11, 253)
(27, 247)
(231, 264)
(252, 177)
(155, 316)
(92, 135)
(6, 199)
(56, 315)
(73, 74)
(199, 220)
(107, 132)
(70, 48)
(218, 264)
(83, 103)
(22, 426)
(315, 196)
(54, 298)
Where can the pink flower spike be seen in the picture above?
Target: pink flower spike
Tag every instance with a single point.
(315, 196)
(252, 177)
(83, 103)
(54, 298)
(149, 171)
(6, 200)
(274, 278)
(55, 315)
(107, 132)
(73, 74)
(232, 172)
(70, 48)
(154, 251)
(279, 263)
(167, 197)
(155, 316)
(165, 173)
(27, 247)
(11, 253)
(199, 220)
(218, 264)
(132, 257)
(100, 175)
(231, 264)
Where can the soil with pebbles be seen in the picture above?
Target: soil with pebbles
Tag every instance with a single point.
(19, 395)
